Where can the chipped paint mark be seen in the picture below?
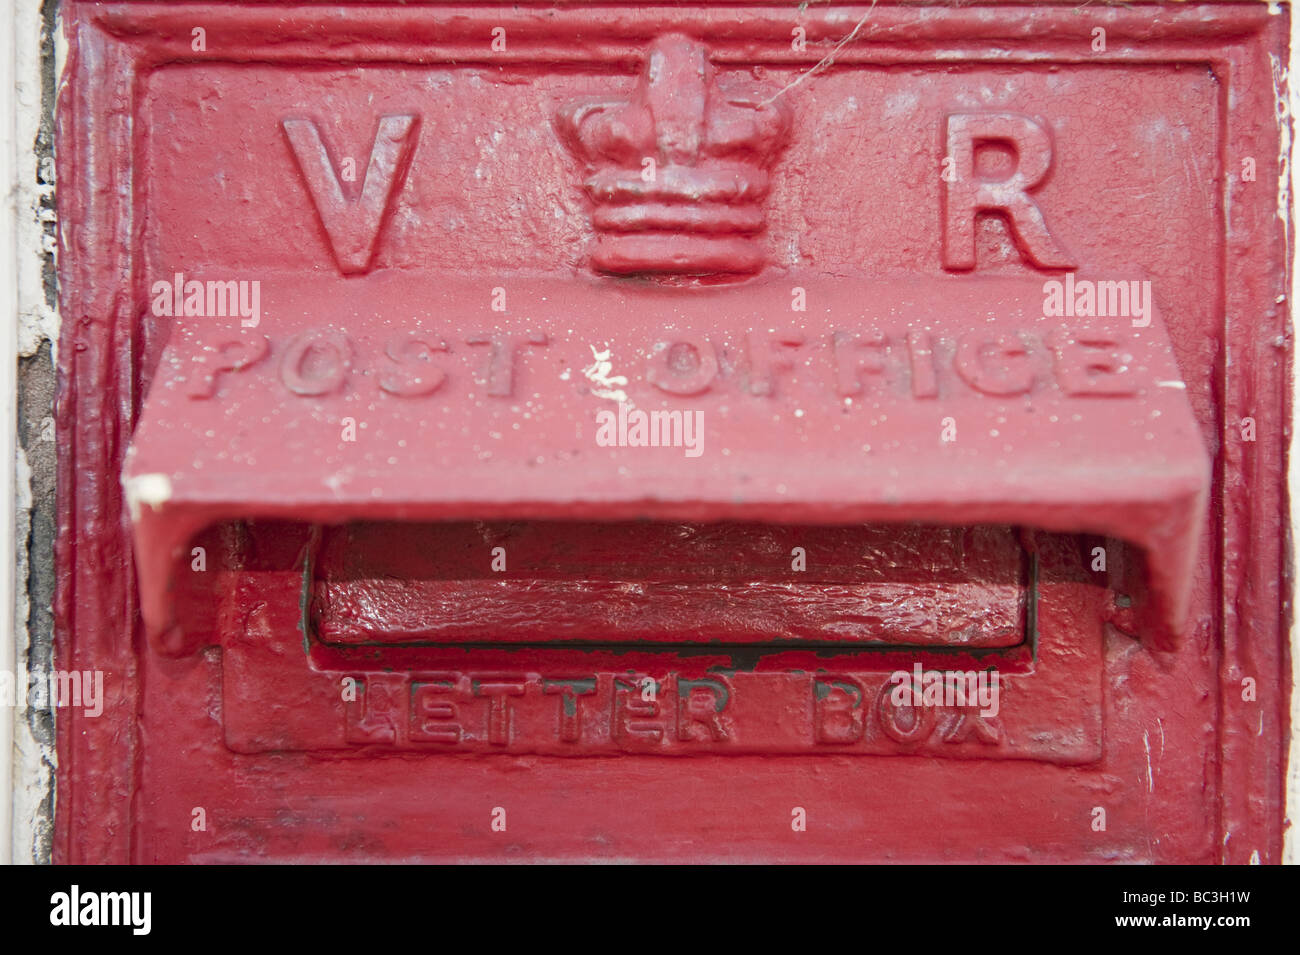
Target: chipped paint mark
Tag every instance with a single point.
(1146, 745)
(335, 482)
(153, 490)
(1180, 385)
(605, 384)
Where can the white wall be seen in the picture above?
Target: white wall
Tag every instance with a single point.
(24, 763)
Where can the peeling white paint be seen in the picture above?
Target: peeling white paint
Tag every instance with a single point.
(26, 763)
(605, 384)
(33, 760)
(1146, 745)
(37, 321)
(29, 321)
(9, 402)
(146, 490)
(1282, 114)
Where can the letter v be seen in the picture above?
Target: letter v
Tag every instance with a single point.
(353, 225)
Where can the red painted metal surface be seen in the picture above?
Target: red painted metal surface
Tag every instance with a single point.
(944, 402)
(910, 446)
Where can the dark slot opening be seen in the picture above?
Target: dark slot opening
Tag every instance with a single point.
(661, 584)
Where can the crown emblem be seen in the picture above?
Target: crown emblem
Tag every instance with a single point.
(678, 172)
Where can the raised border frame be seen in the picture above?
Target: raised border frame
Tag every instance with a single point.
(97, 617)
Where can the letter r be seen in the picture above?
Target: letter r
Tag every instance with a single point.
(969, 194)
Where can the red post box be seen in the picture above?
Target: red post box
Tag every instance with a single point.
(847, 433)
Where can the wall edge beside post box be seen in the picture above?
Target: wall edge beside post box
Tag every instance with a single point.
(32, 63)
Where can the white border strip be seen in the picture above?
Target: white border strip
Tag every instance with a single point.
(9, 409)
(25, 762)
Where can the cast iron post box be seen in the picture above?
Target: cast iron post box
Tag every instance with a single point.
(494, 386)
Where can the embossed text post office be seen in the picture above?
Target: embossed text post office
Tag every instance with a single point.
(698, 431)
